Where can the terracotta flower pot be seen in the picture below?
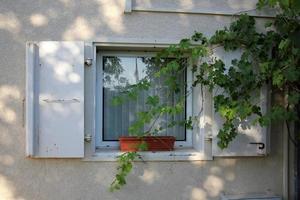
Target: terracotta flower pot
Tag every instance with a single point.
(154, 143)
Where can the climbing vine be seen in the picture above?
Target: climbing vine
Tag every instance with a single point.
(270, 58)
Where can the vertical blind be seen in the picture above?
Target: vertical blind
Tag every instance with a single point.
(119, 72)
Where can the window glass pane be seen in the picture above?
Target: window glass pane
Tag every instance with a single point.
(120, 72)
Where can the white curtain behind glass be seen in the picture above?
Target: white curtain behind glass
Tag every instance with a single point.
(121, 71)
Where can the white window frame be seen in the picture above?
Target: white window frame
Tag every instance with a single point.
(99, 99)
(201, 148)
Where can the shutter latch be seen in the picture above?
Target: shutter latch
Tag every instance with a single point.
(261, 145)
(88, 138)
(260, 149)
(209, 137)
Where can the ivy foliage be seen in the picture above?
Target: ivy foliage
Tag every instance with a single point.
(269, 58)
(125, 162)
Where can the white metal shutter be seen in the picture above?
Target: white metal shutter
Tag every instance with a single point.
(251, 140)
(55, 99)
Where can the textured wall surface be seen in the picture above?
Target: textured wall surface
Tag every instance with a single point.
(97, 20)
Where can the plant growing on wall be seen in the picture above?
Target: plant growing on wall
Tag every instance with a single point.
(271, 57)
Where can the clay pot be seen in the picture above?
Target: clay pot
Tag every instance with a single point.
(153, 143)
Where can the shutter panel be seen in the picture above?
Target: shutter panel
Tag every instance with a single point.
(55, 99)
(251, 140)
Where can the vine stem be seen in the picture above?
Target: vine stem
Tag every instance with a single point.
(155, 120)
(288, 129)
(289, 134)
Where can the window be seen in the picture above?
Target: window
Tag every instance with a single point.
(65, 107)
(116, 72)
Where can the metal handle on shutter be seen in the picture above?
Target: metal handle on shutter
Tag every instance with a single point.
(61, 100)
(260, 145)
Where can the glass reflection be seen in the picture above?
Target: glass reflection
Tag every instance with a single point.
(121, 72)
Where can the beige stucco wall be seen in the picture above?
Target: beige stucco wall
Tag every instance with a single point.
(96, 20)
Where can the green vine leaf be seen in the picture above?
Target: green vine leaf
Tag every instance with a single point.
(152, 100)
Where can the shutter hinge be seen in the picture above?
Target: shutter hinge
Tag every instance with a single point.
(209, 137)
(88, 138)
(88, 62)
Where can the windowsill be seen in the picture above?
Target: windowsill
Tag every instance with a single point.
(188, 154)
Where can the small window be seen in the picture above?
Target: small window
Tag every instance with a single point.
(116, 72)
